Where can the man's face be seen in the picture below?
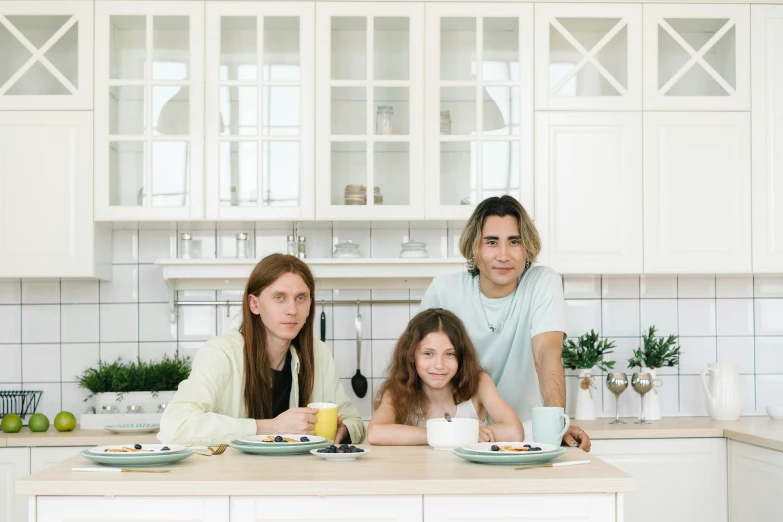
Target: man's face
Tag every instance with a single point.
(501, 256)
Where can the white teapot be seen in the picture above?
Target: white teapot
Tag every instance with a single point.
(723, 396)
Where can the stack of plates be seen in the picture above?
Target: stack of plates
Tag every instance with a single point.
(132, 428)
(155, 457)
(483, 454)
(256, 446)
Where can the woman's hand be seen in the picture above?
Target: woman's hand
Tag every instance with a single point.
(486, 434)
(296, 420)
(342, 432)
(576, 436)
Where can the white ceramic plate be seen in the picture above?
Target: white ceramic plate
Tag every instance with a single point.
(257, 439)
(340, 457)
(156, 449)
(133, 428)
(486, 447)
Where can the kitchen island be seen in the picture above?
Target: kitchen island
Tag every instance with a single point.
(403, 483)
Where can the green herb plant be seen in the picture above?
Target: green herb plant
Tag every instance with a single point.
(656, 352)
(588, 351)
(122, 377)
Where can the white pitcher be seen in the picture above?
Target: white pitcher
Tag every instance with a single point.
(723, 396)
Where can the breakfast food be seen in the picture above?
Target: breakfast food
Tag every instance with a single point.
(515, 449)
(137, 448)
(343, 448)
(278, 438)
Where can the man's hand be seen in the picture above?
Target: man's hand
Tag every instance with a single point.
(296, 420)
(576, 437)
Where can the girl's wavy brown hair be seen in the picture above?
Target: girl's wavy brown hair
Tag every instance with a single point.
(258, 375)
(404, 386)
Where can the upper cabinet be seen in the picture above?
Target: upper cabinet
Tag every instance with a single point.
(46, 55)
(767, 118)
(149, 110)
(259, 110)
(589, 56)
(697, 192)
(369, 110)
(479, 106)
(697, 57)
(46, 214)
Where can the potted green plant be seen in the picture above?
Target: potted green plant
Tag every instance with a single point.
(655, 353)
(145, 386)
(584, 354)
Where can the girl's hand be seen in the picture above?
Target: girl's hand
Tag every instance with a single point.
(486, 434)
(342, 432)
(296, 420)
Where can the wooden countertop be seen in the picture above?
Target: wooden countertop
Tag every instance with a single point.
(77, 437)
(418, 470)
(760, 431)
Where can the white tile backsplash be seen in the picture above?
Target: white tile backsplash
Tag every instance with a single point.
(66, 325)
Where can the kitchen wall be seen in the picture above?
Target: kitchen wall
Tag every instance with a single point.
(51, 330)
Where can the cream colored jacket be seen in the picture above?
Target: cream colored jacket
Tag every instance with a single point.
(209, 406)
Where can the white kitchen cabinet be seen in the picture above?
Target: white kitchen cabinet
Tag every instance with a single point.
(46, 213)
(767, 131)
(149, 111)
(42, 458)
(522, 508)
(755, 483)
(46, 59)
(395, 508)
(259, 120)
(589, 191)
(479, 106)
(697, 193)
(135, 509)
(588, 56)
(679, 480)
(696, 57)
(14, 464)
(369, 145)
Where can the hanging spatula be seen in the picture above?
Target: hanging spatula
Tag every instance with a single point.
(359, 381)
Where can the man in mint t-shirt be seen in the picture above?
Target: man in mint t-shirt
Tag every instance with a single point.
(513, 309)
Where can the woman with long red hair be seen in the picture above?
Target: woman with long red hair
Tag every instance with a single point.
(259, 379)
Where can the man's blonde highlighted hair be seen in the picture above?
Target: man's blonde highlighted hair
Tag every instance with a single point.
(502, 206)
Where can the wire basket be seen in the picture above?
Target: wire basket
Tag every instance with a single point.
(20, 402)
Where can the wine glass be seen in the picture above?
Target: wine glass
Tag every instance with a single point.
(642, 383)
(617, 383)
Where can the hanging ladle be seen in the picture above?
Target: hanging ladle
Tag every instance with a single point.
(359, 381)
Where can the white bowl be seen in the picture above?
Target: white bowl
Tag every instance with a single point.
(776, 412)
(445, 435)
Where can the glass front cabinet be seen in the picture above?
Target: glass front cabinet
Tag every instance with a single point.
(259, 107)
(149, 110)
(479, 106)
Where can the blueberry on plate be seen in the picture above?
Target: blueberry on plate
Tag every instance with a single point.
(137, 446)
(495, 448)
(526, 446)
(278, 439)
(535, 449)
(304, 439)
(165, 448)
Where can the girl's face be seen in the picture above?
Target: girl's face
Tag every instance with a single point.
(436, 360)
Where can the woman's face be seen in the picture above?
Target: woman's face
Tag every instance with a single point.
(283, 306)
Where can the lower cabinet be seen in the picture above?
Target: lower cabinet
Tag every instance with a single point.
(42, 458)
(400, 508)
(677, 480)
(132, 509)
(755, 483)
(528, 508)
(14, 464)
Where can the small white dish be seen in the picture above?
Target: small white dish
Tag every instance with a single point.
(340, 457)
(132, 428)
(445, 435)
(775, 412)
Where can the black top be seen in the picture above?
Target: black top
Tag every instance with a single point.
(281, 387)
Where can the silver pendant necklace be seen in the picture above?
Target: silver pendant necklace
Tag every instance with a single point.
(492, 327)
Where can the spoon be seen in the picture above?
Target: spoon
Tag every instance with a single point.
(448, 416)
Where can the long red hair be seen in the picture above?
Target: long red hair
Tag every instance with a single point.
(258, 374)
(404, 385)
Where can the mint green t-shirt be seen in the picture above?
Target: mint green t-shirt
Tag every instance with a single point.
(507, 355)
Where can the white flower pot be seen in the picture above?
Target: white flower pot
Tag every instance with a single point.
(149, 402)
(652, 401)
(586, 390)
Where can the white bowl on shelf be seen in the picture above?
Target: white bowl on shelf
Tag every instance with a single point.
(776, 412)
(445, 435)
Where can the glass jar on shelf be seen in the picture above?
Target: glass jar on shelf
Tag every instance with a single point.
(355, 195)
(290, 245)
(383, 120)
(378, 197)
(346, 250)
(186, 249)
(413, 249)
(445, 123)
(243, 251)
(301, 247)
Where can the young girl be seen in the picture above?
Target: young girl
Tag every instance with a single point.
(435, 370)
